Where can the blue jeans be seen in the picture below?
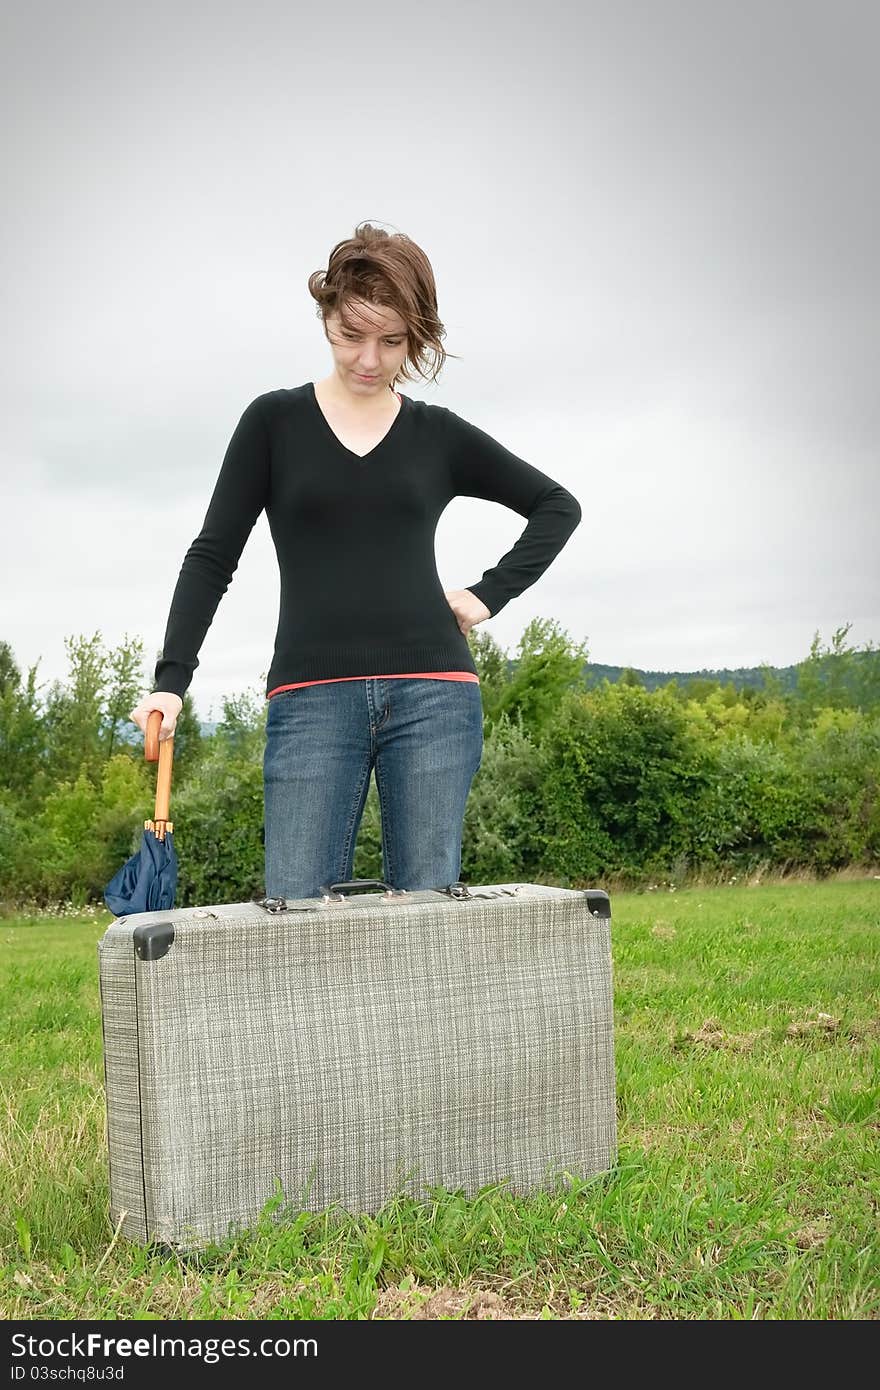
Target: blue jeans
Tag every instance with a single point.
(425, 740)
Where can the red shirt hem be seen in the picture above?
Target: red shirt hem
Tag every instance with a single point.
(407, 675)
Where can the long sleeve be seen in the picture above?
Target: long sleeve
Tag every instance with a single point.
(239, 496)
(482, 467)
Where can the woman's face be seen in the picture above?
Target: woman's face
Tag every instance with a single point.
(375, 345)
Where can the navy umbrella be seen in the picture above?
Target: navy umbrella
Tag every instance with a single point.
(148, 881)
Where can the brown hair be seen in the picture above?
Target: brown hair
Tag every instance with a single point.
(390, 270)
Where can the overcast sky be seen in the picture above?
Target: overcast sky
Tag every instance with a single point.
(654, 228)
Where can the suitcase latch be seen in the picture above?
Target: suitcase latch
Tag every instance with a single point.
(458, 890)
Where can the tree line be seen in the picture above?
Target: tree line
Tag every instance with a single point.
(581, 781)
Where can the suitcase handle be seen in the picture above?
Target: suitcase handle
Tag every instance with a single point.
(334, 890)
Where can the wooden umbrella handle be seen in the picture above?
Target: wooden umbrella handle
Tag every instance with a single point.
(163, 753)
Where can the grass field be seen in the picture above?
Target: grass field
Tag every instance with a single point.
(747, 1186)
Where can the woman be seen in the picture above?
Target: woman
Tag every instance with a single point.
(371, 667)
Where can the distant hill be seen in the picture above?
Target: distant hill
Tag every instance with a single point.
(740, 676)
(858, 672)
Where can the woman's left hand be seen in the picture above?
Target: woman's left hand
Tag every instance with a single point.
(468, 609)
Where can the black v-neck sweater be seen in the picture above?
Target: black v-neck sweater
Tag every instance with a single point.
(360, 592)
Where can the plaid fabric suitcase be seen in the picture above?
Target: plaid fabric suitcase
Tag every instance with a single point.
(353, 1046)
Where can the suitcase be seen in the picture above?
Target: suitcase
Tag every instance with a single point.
(350, 1047)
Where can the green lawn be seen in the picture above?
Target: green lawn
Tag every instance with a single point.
(748, 1062)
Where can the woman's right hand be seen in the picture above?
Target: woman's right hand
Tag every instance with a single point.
(170, 705)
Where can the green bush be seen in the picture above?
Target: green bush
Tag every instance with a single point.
(838, 762)
(218, 830)
(622, 768)
(84, 833)
(578, 781)
(16, 850)
(751, 807)
(499, 840)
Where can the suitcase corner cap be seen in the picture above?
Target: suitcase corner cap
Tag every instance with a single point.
(153, 941)
(598, 902)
